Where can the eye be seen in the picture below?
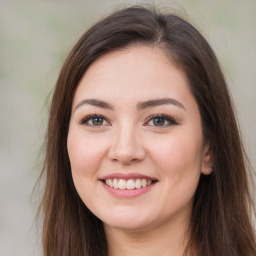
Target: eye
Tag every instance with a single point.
(95, 120)
(161, 120)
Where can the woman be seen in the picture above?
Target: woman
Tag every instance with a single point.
(143, 152)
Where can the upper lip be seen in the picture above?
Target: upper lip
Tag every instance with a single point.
(126, 176)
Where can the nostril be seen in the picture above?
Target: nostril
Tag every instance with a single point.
(126, 155)
(125, 161)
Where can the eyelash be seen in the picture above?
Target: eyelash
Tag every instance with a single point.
(85, 120)
(170, 120)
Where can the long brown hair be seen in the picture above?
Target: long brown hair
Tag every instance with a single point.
(220, 221)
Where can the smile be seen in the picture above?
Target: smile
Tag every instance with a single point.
(128, 184)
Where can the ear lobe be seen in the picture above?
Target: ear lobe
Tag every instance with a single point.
(207, 160)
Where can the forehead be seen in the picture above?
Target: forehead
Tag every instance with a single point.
(131, 72)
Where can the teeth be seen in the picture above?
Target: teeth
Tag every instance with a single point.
(110, 183)
(115, 184)
(138, 183)
(128, 184)
(144, 183)
(122, 184)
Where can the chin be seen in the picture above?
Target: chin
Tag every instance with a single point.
(129, 222)
(129, 226)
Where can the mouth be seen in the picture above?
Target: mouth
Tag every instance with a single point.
(132, 181)
(128, 184)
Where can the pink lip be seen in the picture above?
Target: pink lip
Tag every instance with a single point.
(127, 193)
(126, 176)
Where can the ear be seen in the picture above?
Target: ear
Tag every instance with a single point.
(207, 160)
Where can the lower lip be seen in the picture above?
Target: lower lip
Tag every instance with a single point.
(127, 193)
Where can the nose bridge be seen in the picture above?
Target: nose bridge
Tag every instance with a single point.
(126, 146)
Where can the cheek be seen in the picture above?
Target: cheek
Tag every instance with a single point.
(177, 155)
(84, 153)
(179, 162)
(85, 157)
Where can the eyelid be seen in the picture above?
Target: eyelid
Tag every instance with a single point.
(84, 120)
(168, 118)
(171, 121)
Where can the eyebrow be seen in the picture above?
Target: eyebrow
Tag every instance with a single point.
(95, 102)
(158, 102)
(140, 105)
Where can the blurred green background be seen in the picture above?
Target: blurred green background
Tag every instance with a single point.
(35, 37)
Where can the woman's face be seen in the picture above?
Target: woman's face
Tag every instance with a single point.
(135, 140)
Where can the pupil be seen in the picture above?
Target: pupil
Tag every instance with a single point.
(158, 121)
(97, 121)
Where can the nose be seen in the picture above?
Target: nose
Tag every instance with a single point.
(126, 147)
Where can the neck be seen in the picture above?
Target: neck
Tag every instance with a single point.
(165, 240)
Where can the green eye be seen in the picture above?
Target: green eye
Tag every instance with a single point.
(159, 121)
(97, 121)
(94, 120)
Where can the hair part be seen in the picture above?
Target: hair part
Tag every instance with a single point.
(220, 222)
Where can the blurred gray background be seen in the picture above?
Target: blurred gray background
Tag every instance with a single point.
(35, 37)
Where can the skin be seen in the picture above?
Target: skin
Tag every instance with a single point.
(127, 140)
